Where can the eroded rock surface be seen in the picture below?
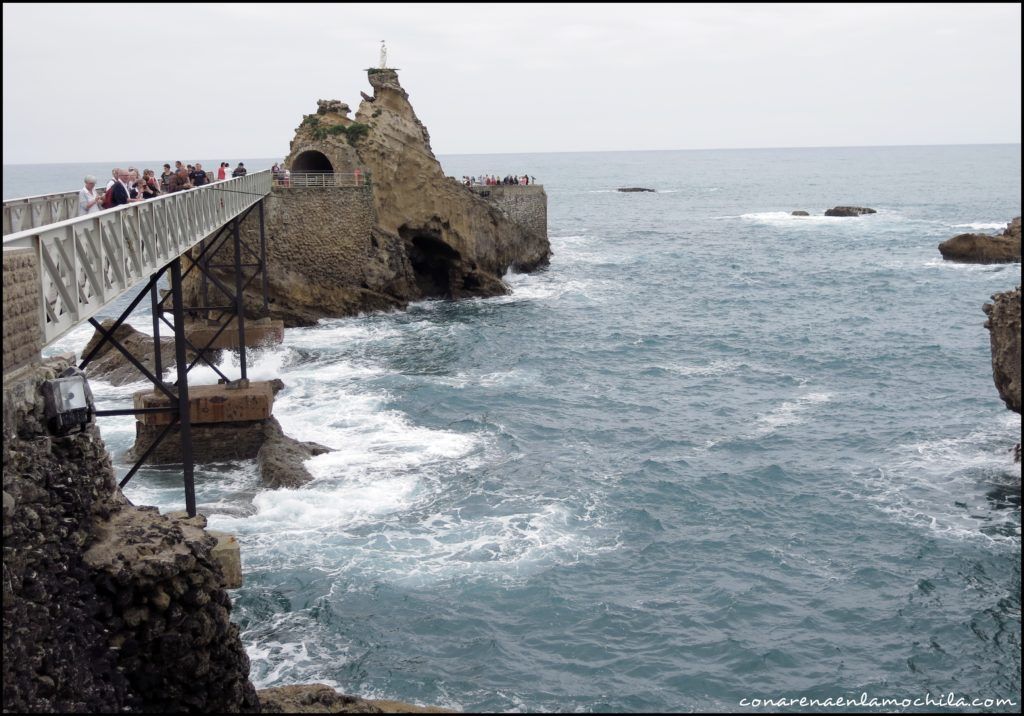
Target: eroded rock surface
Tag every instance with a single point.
(320, 698)
(106, 607)
(985, 248)
(281, 458)
(389, 227)
(109, 363)
(1004, 326)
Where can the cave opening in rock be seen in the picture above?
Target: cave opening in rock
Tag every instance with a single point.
(311, 161)
(432, 261)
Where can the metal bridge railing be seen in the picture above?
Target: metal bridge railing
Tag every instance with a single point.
(32, 211)
(321, 179)
(88, 262)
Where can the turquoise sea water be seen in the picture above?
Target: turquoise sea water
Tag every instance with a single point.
(713, 453)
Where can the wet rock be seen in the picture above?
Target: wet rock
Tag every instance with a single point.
(985, 248)
(799, 213)
(849, 211)
(281, 457)
(320, 698)
(634, 188)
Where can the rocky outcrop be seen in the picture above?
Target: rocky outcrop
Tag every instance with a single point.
(392, 228)
(280, 458)
(799, 212)
(984, 248)
(109, 363)
(634, 188)
(1004, 326)
(106, 607)
(320, 698)
(849, 211)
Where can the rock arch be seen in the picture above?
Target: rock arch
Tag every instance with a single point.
(311, 160)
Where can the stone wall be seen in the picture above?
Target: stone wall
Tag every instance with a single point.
(325, 256)
(525, 205)
(106, 607)
(22, 337)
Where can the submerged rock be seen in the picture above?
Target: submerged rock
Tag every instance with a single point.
(320, 698)
(984, 248)
(634, 188)
(849, 211)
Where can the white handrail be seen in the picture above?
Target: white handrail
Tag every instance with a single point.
(30, 212)
(88, 262)
(321, 179)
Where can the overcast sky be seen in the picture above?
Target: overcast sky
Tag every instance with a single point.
(103, 81)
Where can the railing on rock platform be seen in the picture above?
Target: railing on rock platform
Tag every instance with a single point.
(308, 180)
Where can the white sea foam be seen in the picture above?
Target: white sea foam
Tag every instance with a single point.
(942, 485)
(790, 412)
(716, 367)
(981, 225)
(941, 263)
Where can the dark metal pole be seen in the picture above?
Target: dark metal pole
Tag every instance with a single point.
(158, 359)
(239, 297)
(263, 261)
(184, 414)
(205, 294)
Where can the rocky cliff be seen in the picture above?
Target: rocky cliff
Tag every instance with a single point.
(109, 607)
(106, 607)
(1004, 329)
(400, 230)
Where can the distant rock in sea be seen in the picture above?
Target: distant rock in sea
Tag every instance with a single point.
(799, 213)
(634, 188)
(984, 248)
(849, 211)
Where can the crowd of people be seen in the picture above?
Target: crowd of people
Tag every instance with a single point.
(492, 180)
(128, 186)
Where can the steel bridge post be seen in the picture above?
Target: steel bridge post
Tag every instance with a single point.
(263, 262)
(239, 296)
(158, 359)
(184, 414)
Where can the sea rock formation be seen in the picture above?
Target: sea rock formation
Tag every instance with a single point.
(799, 212)
(281, 458)
(984, 248)
(849, 211)
(106, 607)
(1004, 326)
(110, 364)
(388, 228)
(634, 188)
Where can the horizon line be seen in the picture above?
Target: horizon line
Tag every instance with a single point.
(622, 151)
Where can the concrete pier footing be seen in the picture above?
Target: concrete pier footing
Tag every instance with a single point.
(258, 333)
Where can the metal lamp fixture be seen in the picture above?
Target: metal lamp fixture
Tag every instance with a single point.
(68, 402)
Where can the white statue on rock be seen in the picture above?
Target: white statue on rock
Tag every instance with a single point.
(383, 55)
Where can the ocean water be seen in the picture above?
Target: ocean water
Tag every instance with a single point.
(714, 453)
